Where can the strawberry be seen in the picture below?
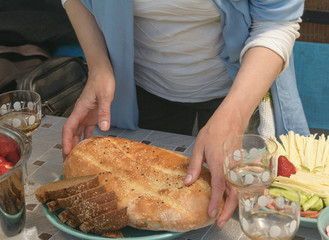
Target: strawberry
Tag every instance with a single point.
(5, 167)
(285, 167)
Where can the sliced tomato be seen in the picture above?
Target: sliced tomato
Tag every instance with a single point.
(309, 214)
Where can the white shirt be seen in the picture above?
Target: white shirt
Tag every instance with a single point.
(177, 47)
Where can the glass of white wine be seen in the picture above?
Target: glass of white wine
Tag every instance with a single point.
(21, 109)
(269, 212)
(249, 161)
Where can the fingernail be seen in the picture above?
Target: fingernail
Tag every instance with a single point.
(221, 225)
(104, 125)
(213, 213)
(188, 179)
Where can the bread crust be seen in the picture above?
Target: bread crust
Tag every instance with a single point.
(148, 180)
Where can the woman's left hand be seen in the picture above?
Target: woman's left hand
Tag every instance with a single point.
(208, 149)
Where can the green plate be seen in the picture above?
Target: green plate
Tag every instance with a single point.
(129, 233)
(308, 222)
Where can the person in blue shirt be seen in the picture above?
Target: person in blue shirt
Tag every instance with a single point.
(159, 64)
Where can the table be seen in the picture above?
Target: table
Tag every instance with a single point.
(45, 165)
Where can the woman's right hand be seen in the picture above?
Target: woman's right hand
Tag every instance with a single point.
(92, 107)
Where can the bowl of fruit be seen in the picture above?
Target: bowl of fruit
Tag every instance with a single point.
(15, 150)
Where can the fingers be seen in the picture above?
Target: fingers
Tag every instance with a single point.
(230, 204)
(217, 191)
(194, 168)
(67, 136)
(88, 132)
(104, 116)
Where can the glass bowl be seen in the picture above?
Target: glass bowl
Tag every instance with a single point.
(12, 196)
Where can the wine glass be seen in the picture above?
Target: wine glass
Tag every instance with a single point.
(21, 109)
(249, 161)
(269, 212)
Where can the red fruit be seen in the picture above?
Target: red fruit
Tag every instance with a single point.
(9, 149)
(285, 167)
(5, 167)
(2, 160)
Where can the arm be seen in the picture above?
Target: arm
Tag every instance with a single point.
(265, 54)
(93, 106)
(259, 69)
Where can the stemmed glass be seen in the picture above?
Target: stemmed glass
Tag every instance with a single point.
(21, 109)
(250, 165)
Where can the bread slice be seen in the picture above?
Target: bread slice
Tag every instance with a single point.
(113, 234)
(75, 199)
(117, 224)
(109, 221)
(86, 204)
(66, 187)
(75, 220)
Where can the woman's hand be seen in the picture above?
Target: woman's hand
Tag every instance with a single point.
(92, 107)
(208, 149)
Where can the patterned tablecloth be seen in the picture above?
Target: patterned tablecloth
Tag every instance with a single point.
(45, 165)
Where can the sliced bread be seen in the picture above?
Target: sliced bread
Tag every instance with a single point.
(75, 220)
(117, 224)
(109, 221)
(113, 234)
(66, 187)
(75, 199)
(87, 204)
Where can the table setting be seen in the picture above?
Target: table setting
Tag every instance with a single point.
(45, 165)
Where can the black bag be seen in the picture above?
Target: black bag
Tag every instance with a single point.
(59, 81)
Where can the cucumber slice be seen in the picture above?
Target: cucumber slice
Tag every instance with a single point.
(276, 192)
(318, 205)
(310, 202)
(326, 201)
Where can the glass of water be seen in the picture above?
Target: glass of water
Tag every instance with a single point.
(249, 161)
(269, 213)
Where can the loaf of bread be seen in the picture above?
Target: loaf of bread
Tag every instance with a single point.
(148, 181)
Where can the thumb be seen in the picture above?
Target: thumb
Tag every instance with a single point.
(194, 168)
(104, 114)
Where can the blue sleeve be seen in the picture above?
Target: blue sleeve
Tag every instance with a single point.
(88, 4)
(276, 10)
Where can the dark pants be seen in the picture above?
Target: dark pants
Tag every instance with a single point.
(160, 114)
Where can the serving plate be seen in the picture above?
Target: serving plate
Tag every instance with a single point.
(308, 222)
(129, 233)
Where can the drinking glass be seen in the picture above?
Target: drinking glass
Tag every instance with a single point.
(267, 215)
(21, 109)
(249, 161)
